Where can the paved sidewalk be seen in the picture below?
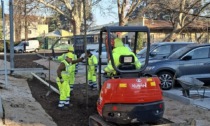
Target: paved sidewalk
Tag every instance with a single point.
(20, 108)
(195, 99)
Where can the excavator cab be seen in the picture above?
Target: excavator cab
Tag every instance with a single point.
(128, 97)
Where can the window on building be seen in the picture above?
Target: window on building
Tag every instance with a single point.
(29, 32)
(182, 36)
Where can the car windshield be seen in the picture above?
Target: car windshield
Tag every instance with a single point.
(143, 51)
(21, 44)
(180, 52)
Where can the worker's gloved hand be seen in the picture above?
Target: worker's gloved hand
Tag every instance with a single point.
(95, 68)
(55, 58)
(61, 80)
(76, 71)
(52, 58)
(85, 56)
(49, 58)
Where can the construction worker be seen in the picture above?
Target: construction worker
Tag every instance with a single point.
(63, 78)
(119, 49)
(74, 70)
(92, 69)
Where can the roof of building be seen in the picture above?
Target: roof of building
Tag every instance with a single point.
(154, 25)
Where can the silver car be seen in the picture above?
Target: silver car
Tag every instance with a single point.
(161, 50)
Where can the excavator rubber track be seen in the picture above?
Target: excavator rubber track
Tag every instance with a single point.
(96, 120)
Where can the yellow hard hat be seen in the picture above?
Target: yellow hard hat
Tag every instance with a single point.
(71, 48)
(118, 42)
(70, 55)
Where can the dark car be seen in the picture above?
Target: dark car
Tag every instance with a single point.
(194, 59)
(161, 50)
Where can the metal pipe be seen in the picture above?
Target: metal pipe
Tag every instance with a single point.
(85, 45)
(44, 82)
(5, 47)
(11, 36)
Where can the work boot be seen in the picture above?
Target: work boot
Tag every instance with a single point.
(67, 102)
(72, 93)
(61, 107)
(94, 87)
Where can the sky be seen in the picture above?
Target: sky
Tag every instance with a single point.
(105, 12)
(99, 17)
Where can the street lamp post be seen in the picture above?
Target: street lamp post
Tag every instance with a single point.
(208, 31)
(85, 45)
(11, 36)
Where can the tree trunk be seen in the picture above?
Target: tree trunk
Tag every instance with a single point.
(76, 25)
(17, 29)
(122, 22)
(173, 34)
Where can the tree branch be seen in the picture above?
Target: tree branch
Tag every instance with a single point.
(53, 7)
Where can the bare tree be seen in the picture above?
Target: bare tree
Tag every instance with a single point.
(71, 9)
(22, 10)
(125, 9)
(180, 12)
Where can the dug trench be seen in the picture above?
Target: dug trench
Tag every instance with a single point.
(81, 106)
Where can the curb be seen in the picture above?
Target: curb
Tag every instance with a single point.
(1, 109)
(1, 113)
(183, 100)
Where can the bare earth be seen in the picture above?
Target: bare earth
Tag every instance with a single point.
(28, 105)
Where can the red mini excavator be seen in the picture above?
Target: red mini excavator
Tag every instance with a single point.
(129, 96)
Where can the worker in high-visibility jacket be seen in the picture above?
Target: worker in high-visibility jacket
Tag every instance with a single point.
(63, 78)
(92, 69)
(74, 70)
(120, 49)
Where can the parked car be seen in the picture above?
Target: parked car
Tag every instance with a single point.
(161, 50)
(193, 58)
(30, 46)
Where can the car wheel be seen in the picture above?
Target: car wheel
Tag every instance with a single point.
(166, 79)
(20, 51)
(36, 51)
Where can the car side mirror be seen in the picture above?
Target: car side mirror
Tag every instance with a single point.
(164, 57)
(152, 54)
(187, 58)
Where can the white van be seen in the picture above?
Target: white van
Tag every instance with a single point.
(30, 46)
